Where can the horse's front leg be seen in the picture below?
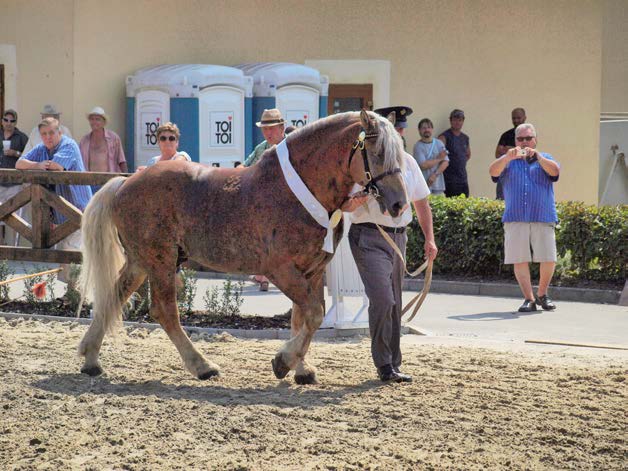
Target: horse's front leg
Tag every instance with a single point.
(308, 318)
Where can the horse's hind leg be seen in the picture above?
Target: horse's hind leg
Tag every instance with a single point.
(164, 310)
(131, 277)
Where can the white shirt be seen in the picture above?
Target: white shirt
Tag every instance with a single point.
(34, 138)
(155, 159)
(415, 186)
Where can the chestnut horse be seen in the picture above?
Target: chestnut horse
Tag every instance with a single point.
(244, 220)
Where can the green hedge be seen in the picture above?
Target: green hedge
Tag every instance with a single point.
(592, 242)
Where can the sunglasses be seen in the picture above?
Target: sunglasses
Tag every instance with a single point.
(525, 138)
(6, 120)
(167, 138)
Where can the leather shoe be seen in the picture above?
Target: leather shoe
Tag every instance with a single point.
(528, 306)
(388, 374)
(546, 303)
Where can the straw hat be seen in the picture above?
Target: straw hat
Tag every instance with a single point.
(270, 118)
(98, 111)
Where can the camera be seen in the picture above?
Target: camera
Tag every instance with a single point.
(522, 153)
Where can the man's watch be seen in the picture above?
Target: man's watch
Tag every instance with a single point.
(18, 153)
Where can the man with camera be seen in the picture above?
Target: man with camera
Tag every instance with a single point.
(527, 177)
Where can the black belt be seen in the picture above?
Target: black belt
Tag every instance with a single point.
(390, 230)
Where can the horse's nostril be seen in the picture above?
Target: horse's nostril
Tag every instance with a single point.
(397, 208)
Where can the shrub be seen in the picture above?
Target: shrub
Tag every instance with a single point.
(592, 242)
(5, 274)
(225, 302)
(186, 294)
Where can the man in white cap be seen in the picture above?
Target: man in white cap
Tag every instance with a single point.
(101, 148)
(272, 125)
(49, 111)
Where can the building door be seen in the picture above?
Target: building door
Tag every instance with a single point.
(349, 97)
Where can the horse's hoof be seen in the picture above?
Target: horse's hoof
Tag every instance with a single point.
(92, 370)
(209, 374)
(309, 378)
(279, 367)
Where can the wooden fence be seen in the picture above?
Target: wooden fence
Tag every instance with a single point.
(40, 232)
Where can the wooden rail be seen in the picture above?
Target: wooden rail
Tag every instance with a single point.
(40, 232)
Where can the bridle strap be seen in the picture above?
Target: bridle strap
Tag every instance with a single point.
(371, 182)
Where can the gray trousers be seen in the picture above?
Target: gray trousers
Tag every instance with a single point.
(381, 271)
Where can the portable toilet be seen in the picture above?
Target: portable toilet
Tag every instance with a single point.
(211, 105)
(299, 92)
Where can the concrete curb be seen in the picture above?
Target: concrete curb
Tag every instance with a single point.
(262, 334)
(478, 288)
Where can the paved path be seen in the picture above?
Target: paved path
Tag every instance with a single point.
(465, 317)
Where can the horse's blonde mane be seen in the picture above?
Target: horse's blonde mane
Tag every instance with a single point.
(390, 142)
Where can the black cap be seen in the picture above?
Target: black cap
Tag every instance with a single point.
(401, 113)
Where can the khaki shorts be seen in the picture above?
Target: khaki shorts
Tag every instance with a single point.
(520, 236)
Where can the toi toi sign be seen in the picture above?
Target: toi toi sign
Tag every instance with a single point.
(297, 118)
(221, 129)
(150, 122)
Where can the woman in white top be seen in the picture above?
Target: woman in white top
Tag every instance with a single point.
(168, 139)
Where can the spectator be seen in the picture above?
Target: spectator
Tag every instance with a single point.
(431, 156)
(401, 121)
(528, 177)
(381, 269)
(101, 148)
(57, 153)
(34, 139)
(272, 125)
(507, 141)
(168, 139)
(457, 145)
(15, 141)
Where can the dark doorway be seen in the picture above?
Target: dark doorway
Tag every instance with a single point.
(349, 97)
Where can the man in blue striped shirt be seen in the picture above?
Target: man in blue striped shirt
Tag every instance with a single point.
(57, 153)
(527, 177)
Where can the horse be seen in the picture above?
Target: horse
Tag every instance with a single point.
(242, 220)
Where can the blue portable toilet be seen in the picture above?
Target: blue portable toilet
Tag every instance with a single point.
(299, 92)
(211, 105)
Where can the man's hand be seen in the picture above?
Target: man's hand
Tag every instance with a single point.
(431, 179)
(354, 202)
(430, 250)
(11, 153)
(514, 153)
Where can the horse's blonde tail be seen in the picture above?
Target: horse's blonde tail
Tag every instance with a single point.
(103, 258)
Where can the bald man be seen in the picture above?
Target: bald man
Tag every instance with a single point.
(507, 141)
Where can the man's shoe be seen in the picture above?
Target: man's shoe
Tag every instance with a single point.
(546, 303)
(388, 374)
(528, 306)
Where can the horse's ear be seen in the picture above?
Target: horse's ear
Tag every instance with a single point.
(365, 120)
(392, 117)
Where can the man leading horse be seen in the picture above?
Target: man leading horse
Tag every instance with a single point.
(251, 220)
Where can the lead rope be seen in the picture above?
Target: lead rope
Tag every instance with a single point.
(416, 301)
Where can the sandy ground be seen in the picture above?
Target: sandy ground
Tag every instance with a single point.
(469, 408)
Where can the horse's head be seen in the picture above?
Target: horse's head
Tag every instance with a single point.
(381, 165)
